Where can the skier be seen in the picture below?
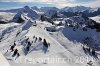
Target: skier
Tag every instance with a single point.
(84, 48)
(35, 22)
(28, 46)
(40, 39)
(26, 40)
(17, 33)
(12, 47)
(45, 43)
(35, 39)
(1, 38)
(15, 52)
(93, 52)
(88, 49)
(45, 46)
(74, 29)
(14, 43)
(29, 43)
(17, 55)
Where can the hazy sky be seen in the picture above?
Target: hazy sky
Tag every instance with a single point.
(58, 3)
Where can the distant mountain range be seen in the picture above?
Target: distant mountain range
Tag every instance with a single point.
(67, 11)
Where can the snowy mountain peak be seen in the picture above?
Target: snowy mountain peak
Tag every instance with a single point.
(26, 7)
(35, 8)
(26, 10)
(18, 17)
(31, 13)
(76, 8)
(45, 9)
(79, 19)
(51, 13)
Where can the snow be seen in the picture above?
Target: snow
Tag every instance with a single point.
(18, 15)
(6, 16)
(59, 48)
(26, 25)
(50, 13)
(96, 18)
(3, 61)
(26, 11)
(76, 8)
(65, 43)
(31, 13)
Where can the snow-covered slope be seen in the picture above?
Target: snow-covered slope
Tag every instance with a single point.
(38, 46)
(3, 61)
(96, 18)
(62, 50)
(6, 16)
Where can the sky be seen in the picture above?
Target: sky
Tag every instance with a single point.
(9, 4)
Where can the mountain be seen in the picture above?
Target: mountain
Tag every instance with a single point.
(11, 10)
(73, 11)
(19, 16)
(80, 21)
(67, 11)
(17, 9)
(45, 9)
(35, 8)
(31, 13)
(76, 9)
(92, 12)
(22, 13)
(63, 43)
(96, 18)
(76, 42)
(51, 13)
(34, 42)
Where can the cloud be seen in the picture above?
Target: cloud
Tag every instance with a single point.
(31, 0)
(93, 4)
(14, 0)
(61, 3)
(81, 1)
